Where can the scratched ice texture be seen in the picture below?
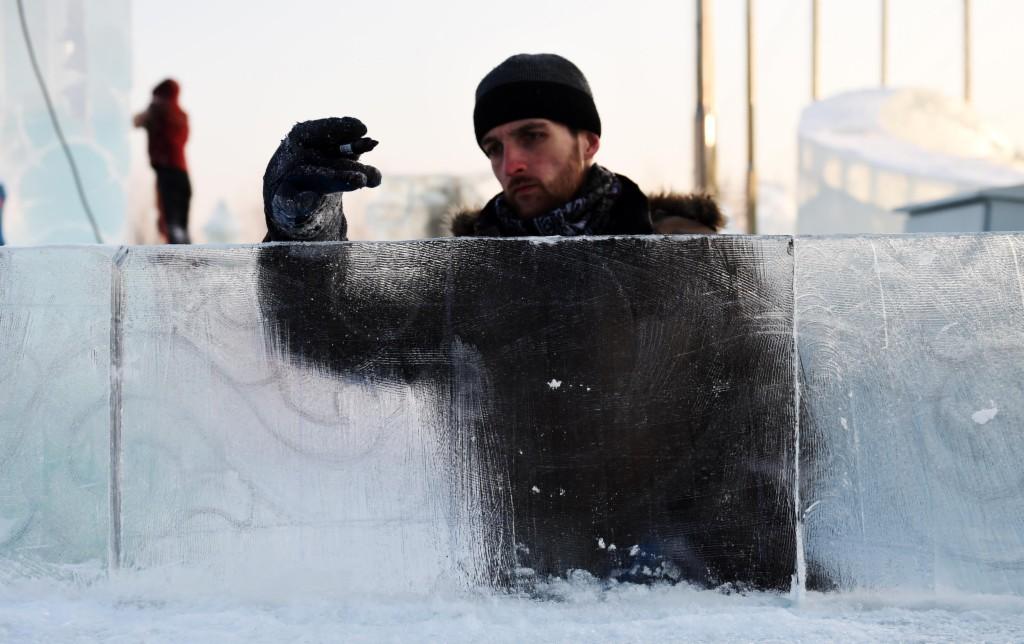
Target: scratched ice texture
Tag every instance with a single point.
(252, 471)
(912, 433)
(375, 414)
(628, 401)
(54, 412)
(147, 380)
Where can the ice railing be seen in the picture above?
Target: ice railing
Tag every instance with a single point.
(190, 409)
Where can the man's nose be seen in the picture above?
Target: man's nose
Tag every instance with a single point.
(513, 161)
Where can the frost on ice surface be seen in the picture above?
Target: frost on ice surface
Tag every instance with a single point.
(577, 609)
(982, 416)
(554, 384)
(231, 453)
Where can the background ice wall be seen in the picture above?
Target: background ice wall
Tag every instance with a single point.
(863, 154)
(232, 460)
(84, 52)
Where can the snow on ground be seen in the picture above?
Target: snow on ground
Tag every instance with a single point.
(578, 611)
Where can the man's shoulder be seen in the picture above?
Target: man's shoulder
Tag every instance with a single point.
(464, 223)
(698, 207)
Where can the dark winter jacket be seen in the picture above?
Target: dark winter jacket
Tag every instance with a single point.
(167, 126)
(631, 215)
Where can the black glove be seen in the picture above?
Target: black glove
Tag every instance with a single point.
(302, 186)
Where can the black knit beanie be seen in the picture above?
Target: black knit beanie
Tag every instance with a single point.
(535, 86)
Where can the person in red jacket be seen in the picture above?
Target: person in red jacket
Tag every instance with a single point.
(167, 127)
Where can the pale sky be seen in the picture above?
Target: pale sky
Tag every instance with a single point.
(250, 69)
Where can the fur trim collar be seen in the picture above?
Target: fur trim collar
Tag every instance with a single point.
(700, 208)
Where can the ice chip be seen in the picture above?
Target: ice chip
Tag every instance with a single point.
(982, 416)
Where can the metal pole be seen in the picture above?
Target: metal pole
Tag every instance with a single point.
(751, 160)
(885, 44)
(705, 136)
(815, 48)
(967, 52)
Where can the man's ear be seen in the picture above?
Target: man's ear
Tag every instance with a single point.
(591, 144)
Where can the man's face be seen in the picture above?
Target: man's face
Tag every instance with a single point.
(539, 163)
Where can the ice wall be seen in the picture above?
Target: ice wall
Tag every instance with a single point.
(398, 417)
(84, 52)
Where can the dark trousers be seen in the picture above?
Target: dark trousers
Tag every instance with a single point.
(173, 194)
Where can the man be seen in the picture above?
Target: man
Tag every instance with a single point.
(647, 462)
(167, 126)
(536, 121)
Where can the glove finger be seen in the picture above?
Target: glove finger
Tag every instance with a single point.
(353, 150)
(342, 166)
(372, 174)
(325, 180)
(327, 134)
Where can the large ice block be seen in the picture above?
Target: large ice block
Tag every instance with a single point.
(625, 404)
(54, 411)
(912, 432)
(254, 471)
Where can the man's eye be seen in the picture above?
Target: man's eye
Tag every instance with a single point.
(492, 150)
(534, 136)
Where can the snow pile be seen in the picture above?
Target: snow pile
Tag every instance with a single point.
(577, 610)
(865, 153)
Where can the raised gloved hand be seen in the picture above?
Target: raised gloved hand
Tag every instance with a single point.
(304, 181)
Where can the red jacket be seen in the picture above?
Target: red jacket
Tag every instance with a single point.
(167, 126)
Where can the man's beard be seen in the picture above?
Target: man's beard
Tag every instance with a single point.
(544, 199)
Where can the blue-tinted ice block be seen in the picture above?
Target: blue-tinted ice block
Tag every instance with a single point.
(54, 411)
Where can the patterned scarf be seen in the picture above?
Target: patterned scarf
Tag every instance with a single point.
(583, 215)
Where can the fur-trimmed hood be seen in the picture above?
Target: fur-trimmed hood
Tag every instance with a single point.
(699, 208)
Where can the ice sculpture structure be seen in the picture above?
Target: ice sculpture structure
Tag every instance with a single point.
(84, 53)
(864, 154)
(398, 416)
